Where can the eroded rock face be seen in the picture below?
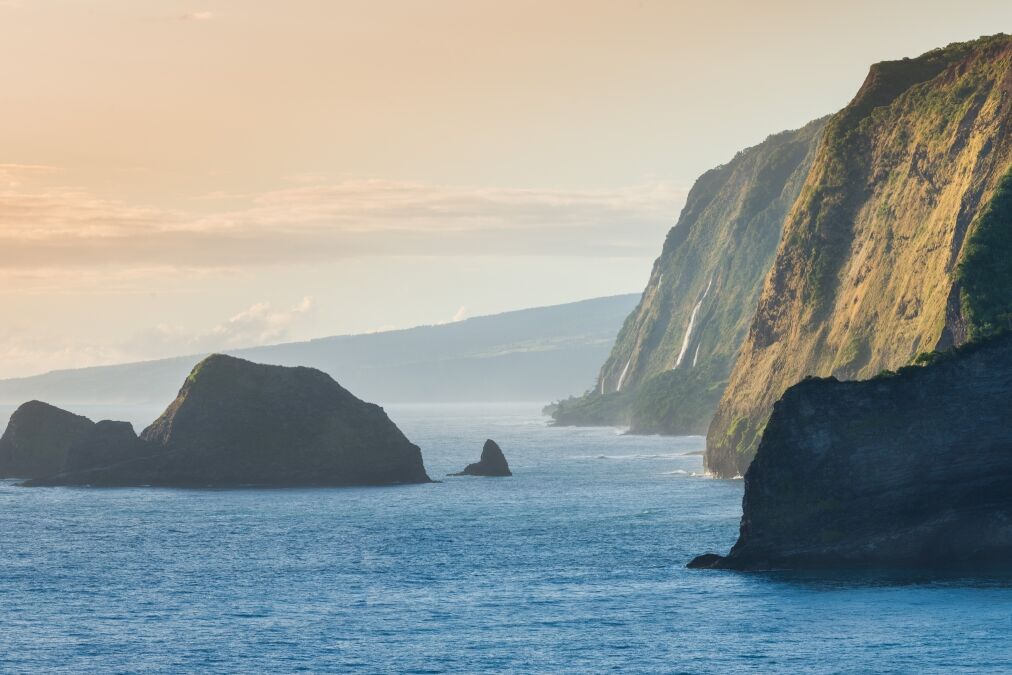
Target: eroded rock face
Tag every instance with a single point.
(889, 251)
(910, 469)
(240, 423)
(37, 439)
(492, 463)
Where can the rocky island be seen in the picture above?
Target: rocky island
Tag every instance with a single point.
(37, 440)
(906, 469)
(238, 423)
(492, 463)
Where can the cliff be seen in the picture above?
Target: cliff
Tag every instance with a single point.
(909, 468)
(37, 440)
(674, 353)
(239, 423)
(898, 243)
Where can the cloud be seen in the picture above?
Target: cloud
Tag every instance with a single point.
(22, 351)
(14, 176)
(197, 16)
(256, 325)
(68, 228)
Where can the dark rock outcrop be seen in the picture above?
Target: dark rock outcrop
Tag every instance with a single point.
(492, 463)
(240, 423)
(37, 439)
(706, 561)
(907, 469)
(106, 443)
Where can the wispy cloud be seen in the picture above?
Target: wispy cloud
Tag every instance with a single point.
(197, 16)
(258, 324)
(72, 228)
(22, 352)
(13, 176)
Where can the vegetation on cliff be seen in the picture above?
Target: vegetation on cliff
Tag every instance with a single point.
(898, 241)
(985, 272)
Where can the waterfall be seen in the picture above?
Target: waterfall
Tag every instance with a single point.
(692, 323)
(696, 356)
(622, 376)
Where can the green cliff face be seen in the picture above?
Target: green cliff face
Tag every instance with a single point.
(899, 242)
(674, 354)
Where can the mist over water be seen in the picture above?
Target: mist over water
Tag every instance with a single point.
(574, 564)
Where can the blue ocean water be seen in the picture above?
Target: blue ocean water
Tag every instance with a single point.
(576, 564)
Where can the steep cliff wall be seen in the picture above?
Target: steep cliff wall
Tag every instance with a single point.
(909, 468)
(674, 353)
(896, 244)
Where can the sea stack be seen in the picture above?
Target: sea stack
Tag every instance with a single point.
(37, 439)
(492, 463)
(238, 423)
(908, 469)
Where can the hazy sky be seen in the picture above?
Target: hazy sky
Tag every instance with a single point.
(186, 176)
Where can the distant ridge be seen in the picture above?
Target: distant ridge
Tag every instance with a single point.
(536, 354)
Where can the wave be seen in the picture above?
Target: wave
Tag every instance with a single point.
(683, 472)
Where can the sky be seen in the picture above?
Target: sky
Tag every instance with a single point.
(183, 177)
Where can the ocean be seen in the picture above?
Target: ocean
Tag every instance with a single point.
(575, 564)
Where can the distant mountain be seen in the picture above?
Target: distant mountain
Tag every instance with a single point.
(536, 354)
(675, 352)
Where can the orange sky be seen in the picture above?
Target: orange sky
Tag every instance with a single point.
(176, 173)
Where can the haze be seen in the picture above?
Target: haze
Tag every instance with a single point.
(180, 177)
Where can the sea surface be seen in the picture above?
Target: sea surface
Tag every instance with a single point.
(576, 564)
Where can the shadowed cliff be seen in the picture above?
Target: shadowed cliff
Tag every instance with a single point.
(910, 468)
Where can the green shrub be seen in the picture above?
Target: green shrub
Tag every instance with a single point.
(985, 272)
